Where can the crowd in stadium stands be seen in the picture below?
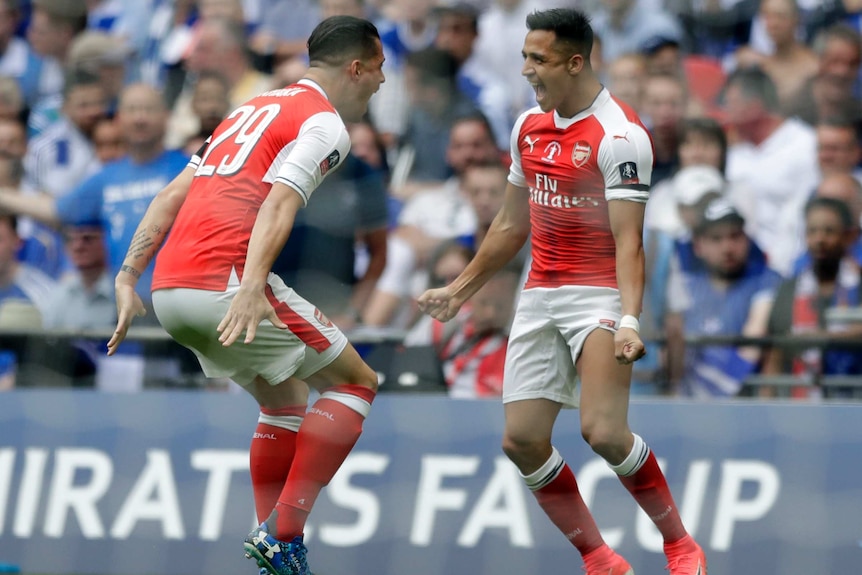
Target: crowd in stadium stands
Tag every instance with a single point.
(752, 227)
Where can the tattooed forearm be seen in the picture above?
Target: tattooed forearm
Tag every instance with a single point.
(131, 271)
(141, 243)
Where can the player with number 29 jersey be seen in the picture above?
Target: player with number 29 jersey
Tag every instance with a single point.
(291, 135)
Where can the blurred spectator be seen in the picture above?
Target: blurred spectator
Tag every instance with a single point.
(405, 28)
(839, 51)
(24, 293)
(53, 25)
(37, 78)
(429, 217)
(435, 104)
(626, 77)
(791, 64)
(663, 56)
(108, 141)
(367, 145)
(835, 89)
(210, 104)
(847, 189)
(84, 298)
(63, 155)
(219, 47)
(118, 194)
(839, 150)
(715, 28)
(498, 48)
(447, 261)
(103, 55)
(19, 281)
(319, 258)
(457, 30)
(628, 25)
(13, 138)
(474, 355)
(41, 247)
(664, 105)
(774, 159)
(11, 100)
(284, 29)
(729, 295)
(832, 279)
(485, 187)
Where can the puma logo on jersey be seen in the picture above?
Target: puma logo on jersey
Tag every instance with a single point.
(623, 137)
(531, 142)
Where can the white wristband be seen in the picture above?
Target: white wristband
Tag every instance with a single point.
(630, 322)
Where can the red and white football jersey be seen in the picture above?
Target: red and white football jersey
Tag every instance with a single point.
(572, 168)
(291, 135)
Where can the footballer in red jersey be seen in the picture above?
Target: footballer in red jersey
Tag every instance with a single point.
(578, 185)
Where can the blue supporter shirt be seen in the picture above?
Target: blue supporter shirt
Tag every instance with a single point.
(719, 370)
(117, 196)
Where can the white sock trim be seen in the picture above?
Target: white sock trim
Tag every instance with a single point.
(355, 403)
(290, 422)
(546, 473)
(635, 460)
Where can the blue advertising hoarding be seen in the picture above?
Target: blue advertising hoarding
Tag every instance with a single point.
(157, 483)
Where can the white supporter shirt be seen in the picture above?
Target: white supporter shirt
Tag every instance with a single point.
(59, 159)
(780, 174)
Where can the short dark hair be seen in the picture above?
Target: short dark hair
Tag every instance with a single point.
(707, 128)
(837, 206)
(434, 67)
(478, 117)
(569, 25)
(339, 38)
(755, 84)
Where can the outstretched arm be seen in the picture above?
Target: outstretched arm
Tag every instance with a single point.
(151, 232)
(505, 238)
(40, 206)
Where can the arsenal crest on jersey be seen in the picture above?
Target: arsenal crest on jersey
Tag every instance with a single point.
(581, 153)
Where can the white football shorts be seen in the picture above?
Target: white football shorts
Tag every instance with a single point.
(548, 332)
(310, 343)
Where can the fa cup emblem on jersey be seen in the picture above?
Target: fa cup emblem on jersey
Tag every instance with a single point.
(551, 150)
(581, 153)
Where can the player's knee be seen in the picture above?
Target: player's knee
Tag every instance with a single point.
(366, 377)
(602, 437)
(519, 448)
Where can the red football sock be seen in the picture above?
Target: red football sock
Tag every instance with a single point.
(649, 488)
(330, 430)
(271, 454)
(557, 492)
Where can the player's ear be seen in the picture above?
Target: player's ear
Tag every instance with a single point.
(355, 69)
(575, 64)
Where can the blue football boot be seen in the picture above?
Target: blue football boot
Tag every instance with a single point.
(276, 557)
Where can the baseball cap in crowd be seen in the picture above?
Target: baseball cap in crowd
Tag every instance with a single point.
(93, 48)
(718, 211)
(691, 184)
(457, 7)
(68, 9)
(656, 43)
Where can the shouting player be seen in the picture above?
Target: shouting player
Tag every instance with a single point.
(579, 181)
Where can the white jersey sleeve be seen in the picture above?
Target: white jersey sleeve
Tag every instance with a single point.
(516, 171)
(626, 160)
(320, 147)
